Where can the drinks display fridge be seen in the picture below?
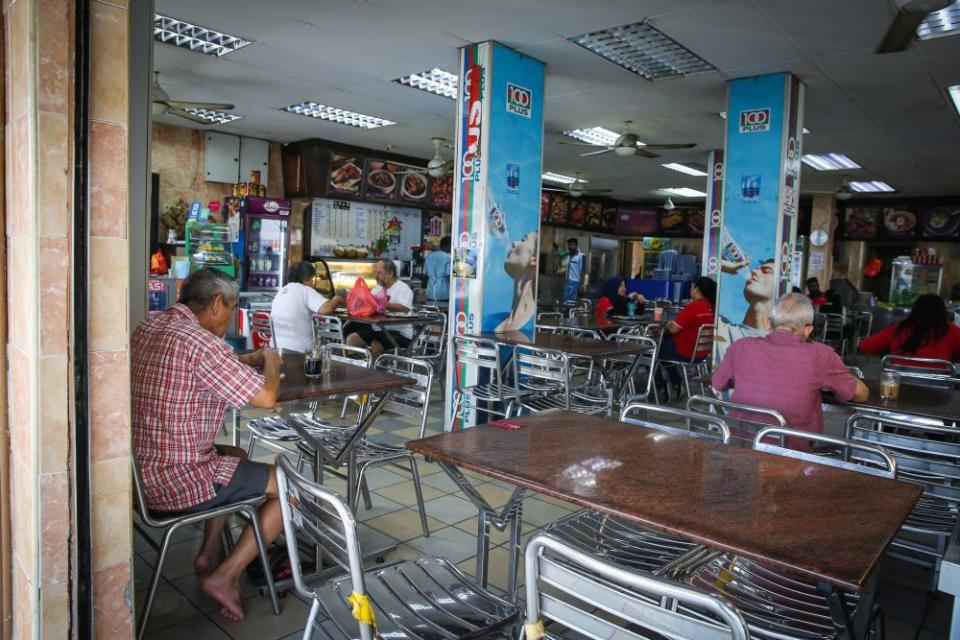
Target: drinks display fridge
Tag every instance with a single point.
(264, 243)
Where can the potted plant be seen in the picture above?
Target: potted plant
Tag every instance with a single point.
(380, 245)
(174, 216)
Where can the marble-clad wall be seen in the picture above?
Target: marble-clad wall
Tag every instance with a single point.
(39, 107)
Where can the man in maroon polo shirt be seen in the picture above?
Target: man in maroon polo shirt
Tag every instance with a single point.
(784, 371)
(182, 377)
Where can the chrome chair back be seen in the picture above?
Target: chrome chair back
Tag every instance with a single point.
(857, 372)
(491, 395)
(753, 418)
(549, 317)
(409, 599)
(347, 354)
(544, 379)
(431, 342)
(327, 329)
(697, 425)
(833, 331)
(589, 597)
(923, 372)
(853, 455)
(639, 386)
(862, 326)
(412, 401)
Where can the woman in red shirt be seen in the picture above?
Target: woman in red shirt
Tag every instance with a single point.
(614, 298)
(926, 333)
(680, 338)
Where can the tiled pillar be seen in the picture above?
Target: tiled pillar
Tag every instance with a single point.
(39, 77)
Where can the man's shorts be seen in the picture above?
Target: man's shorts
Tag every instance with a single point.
(368, 334)
(248, 481)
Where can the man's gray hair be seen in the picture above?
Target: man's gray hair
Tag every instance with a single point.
(792, 311)
(390, 266)
(199, 290)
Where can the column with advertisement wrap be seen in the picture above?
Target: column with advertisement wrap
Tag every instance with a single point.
(714, 210)
(761, 186)
(496, 212)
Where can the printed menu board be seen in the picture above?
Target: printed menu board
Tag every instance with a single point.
(559, 209)
(673, 222)
(336, 223)
(346, 176)
(860, 223)
(609, 221)
(578, 212)
(898, 223)
(636, 221)
(941, 223)
(414, 186)
(380, 180)
(594, 215)
(441, 191)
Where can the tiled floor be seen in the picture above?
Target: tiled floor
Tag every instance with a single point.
(182, 611)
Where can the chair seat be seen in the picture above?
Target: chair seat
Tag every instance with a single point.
(366, 451)
(420, 599)
(775, 604)
(619, 541)
(556, 401)
(490, 392)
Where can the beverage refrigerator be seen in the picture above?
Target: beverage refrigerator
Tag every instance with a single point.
(264, 243)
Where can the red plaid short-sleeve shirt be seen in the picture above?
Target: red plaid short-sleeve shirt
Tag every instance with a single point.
(183, 376)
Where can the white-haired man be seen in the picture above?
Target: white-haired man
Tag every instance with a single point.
(784, 371)
(182, 377)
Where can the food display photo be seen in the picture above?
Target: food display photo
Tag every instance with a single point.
(696, 219)
(559, 209)
(441, 191)
(544, 206)
(594, 215)
(380, 181)
(346, 175)
(941, 222)
(673, 222)
(413, 187)
(899, 223)
(578, 213)
(860, 223)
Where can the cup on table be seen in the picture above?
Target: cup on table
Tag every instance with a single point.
(889, 385)
(657, 314)
(631, 309)
(313, 362)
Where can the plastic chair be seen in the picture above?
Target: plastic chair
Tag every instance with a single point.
(574, 594)
(410, 599)
(170, 523)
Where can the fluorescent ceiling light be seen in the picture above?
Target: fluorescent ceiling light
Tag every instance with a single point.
(872, 186)
(595, 135)
(954, 93)
(723, 115)
(682, 168)
(684, 192)
(829, 162)
(211, 115)
(436, 81)
(945, 22)
(644, 50)
(559, 178)
(193, 37)
(341, 116)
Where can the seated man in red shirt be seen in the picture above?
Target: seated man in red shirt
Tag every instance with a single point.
(682, 331)
(786, 372)
(183, 376)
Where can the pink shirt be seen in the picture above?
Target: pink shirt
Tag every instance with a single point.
(783, 371)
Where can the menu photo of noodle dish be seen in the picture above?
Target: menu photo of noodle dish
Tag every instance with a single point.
(346, 175)
(380, 180)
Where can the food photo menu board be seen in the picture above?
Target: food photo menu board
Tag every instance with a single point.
(336, 223)
(903, 221)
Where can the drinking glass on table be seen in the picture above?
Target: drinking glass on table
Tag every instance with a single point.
(889, 385)
(313, 362)
(657, 314)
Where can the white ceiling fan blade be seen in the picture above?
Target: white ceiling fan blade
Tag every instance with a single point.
(597, 153)
(642, 151)
(188, 116)
(186, 104)
(593, 191)
(682, 145)
(579, 144)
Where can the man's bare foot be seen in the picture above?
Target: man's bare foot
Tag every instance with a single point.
(205, 564)
(226, 592)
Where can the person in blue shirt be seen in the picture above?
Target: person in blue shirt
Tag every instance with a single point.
(575, 270)
(437, 268)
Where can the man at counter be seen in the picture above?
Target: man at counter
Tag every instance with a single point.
(183, 376)
(293, 308)
(437, 268)
(575, 271)
(400, 299)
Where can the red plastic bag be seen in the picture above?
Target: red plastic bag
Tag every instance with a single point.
(360, 302)
(381, 298)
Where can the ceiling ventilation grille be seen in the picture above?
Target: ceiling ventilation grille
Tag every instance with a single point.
(195, 38)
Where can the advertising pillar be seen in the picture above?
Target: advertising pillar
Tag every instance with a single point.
(714, 209)
(496, 212)
(761, 186)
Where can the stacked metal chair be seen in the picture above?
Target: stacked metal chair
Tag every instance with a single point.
(490, 393)
(544, 379)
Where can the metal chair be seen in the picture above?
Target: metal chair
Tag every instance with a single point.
(926, 455)
(261, 329)
(576, 595)
(430, 344)
(170, 523)
(753, 418)
(774, 603)
(862, 326)
(409, 402)
(832, 332)
(411, 599)
(489, 393)
(694, 424)
(327, 329)
(857, 372)
(923, 372)
(638, 371)
(549, 317)
(544, 380)
(703, 345)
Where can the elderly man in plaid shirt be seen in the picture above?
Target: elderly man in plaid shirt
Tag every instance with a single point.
(183, 376)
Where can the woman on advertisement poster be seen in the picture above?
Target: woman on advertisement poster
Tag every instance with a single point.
(521, 265)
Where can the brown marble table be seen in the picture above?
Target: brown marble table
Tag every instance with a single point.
(926, 402)
(828, 524)
(585, 347)
(599, 325)
(341, 379)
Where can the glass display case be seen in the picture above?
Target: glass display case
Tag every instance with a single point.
(909, 281)
(210, 245)
(339, 274)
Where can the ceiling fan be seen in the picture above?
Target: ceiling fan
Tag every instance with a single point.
(844, 192)
(628, 145)
(163, 104)
(437, 165)
(903, 29)
(577, 188)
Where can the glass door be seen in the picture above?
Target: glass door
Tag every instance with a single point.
(266, 253)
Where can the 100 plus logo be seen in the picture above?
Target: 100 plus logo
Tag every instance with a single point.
(519, 100)
(754, 120)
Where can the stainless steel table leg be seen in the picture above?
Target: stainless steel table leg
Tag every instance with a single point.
(483, 547)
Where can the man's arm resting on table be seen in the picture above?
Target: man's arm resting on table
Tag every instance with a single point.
(861, 392)
(266, 398)
(331, 305)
